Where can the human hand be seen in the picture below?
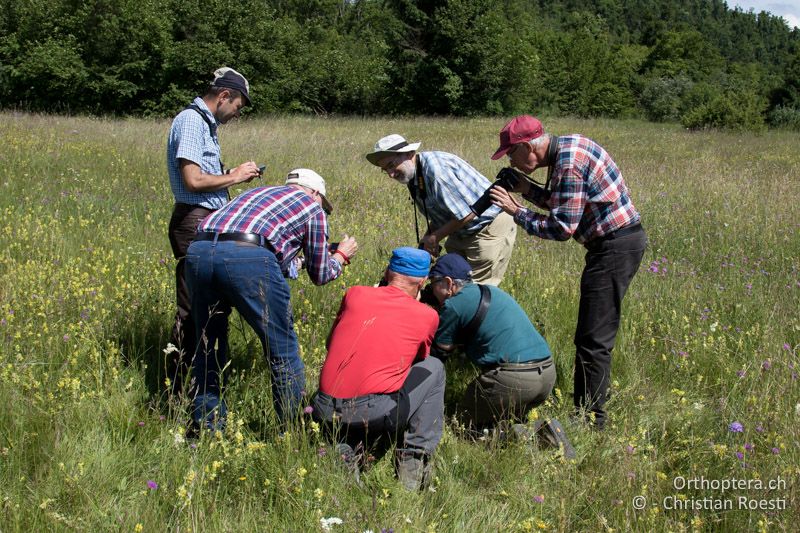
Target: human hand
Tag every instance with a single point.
(245, 172)
(430, 243)
(503, 199)
(348, 247)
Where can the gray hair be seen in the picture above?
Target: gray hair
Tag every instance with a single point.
(459, 283)
(541, 139)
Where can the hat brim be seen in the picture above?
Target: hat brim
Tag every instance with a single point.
(374, 157)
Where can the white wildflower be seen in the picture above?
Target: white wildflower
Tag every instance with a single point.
(328, 523)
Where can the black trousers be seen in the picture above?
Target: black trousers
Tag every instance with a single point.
(182, 229)
(610, 267)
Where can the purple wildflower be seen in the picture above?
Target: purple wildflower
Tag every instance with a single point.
(152, 485)
(539, 498)
(735, 427)
(786, 346)
(749, 446)
(766, 365)
(739, 455)
(760, 428)
(740, 373)
(775, 451)
(308, 409)
(140, 423)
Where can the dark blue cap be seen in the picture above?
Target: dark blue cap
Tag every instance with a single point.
(453, 266)
(228, 78)
(410, 261)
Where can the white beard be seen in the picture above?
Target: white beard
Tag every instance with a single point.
(404, 179)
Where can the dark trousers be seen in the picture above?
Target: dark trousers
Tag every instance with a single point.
(413, 416)
(610, 266)
(182, 229)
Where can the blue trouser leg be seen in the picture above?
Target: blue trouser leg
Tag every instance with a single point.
(257, 289)
(210, 312)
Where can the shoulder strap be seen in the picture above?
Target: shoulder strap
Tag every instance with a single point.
(212, 127)
(469, 331)
(203, 115)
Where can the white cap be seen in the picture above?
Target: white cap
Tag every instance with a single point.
(391, 144)
(312, 180)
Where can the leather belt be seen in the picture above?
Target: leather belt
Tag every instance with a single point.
(538, 366)
(616, 234)
(252, 238)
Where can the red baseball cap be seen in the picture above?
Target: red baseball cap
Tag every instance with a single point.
(519, 129)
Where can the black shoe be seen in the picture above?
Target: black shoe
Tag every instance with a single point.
(350, 459)
(550, 434)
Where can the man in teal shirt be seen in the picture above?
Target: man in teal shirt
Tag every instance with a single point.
(517, 370)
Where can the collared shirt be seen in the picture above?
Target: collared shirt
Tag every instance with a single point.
(191, 138)
(587, 197)
(452, 186)
(289, 219)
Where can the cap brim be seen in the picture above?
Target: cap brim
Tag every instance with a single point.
(326, 205)
(501, 152)
(374, 157)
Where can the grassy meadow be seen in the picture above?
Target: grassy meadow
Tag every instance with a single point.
(705, 389)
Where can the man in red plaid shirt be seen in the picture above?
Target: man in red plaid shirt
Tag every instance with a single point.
(585, 198)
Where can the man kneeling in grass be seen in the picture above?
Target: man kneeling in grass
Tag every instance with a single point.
(517, 370)
(377, 379)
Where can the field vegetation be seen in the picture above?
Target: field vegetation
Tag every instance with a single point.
(705, 368)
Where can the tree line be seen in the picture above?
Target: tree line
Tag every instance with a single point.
(693, 61)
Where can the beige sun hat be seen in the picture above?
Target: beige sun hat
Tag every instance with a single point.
(391, 144)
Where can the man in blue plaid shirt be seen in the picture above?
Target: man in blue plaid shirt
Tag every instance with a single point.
(444, 187)
(199, 184)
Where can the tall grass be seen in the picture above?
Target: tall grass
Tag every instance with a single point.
(710, 336)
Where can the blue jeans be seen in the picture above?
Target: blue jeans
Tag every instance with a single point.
(226, 275)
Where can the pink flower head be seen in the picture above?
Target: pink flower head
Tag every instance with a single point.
(539, 498)
(152, 485)
(308, 409)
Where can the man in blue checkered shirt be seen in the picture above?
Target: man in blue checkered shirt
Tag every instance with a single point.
(444, 187)
(199, 184)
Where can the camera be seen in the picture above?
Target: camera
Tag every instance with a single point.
(507, 178)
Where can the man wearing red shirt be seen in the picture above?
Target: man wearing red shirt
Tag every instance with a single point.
(377, 377)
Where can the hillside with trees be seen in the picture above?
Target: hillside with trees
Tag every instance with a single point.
(698, 62)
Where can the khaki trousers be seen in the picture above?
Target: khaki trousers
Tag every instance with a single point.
(488, 251)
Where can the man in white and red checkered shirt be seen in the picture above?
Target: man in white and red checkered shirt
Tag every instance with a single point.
(586, 199)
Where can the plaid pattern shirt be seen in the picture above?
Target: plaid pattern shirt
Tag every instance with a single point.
(190, 138)
(289, 219)
(452, 186)
(587, 197)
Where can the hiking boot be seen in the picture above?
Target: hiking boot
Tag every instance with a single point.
(413, 469)
(550, 434)
(350, 460)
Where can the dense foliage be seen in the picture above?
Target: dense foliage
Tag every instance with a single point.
(694, 61)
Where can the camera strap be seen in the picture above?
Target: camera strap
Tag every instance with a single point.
(552, 153)
(417, 187)
(468, 332)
